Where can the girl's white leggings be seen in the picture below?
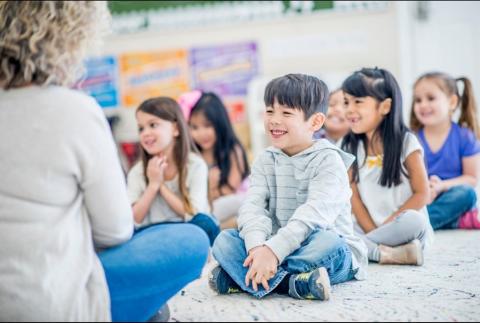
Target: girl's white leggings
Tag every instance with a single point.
(406, 227)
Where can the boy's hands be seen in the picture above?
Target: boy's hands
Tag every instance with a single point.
(263, 266)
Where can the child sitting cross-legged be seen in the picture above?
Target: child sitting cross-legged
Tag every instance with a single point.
(388, 179)
(295, 232)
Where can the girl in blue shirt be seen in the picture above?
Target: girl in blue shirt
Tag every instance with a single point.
(451, 149)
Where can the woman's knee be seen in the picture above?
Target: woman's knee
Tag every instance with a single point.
(193, 248)
(194, 244)
(160, 250)
(197, 237)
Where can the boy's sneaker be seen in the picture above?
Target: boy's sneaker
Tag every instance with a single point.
(221, 282)
(311, 285)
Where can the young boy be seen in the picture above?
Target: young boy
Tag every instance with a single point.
(295, 227)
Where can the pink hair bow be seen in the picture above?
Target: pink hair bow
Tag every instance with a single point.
(187, 101)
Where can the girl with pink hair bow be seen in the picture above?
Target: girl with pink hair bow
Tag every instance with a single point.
(214, 136)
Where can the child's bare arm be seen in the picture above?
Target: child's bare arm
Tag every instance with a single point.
(471, 173)
(359, 210)
(141, 207)
(419, 183)
(234, 178)
(155, 172)
(197, 189)
(173, 201)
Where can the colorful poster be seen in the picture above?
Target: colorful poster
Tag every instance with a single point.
(151, 74)
(225, 70)
(101, 81)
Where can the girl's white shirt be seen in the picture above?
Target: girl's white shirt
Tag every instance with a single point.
(380, 201)
(160, 211)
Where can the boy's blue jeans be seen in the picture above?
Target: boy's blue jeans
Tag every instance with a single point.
(143, 273)
(320, 249)
(447, 209)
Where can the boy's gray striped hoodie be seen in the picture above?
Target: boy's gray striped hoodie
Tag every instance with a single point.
(291, 196)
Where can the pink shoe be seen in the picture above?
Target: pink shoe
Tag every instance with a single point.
(469, 220)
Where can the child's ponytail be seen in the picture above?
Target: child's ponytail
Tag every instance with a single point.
(468, 108)
(415, 124)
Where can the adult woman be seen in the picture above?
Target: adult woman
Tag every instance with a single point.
(62, 192)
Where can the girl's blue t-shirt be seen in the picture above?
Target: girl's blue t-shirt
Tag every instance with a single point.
(446, 163)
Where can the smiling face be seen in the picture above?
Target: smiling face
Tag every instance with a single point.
(156, 135)
(288, 129)
(336, 122)
(202, 130)
(364, 114)
(432, 106)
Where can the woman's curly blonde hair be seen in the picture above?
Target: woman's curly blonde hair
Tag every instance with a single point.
(45, 42)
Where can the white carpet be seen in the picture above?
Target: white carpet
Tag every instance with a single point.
(445, 288)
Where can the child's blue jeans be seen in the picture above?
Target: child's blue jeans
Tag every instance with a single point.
(209, 224)
(206, 222)
(447, 209)
(143, 273)
(320, 249)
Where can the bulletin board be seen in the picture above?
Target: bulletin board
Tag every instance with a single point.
(101, 81)
(226, 70)
(150, 74)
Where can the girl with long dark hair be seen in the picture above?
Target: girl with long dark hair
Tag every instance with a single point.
(215, 138)
(388, 179)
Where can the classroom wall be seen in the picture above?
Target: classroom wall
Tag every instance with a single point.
(448, 39)
(328, 44)
(401, 37)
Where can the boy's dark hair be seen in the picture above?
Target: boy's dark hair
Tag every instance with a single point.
(380, 85)
(298, 91)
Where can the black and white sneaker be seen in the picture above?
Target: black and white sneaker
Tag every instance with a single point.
(311, 285)
(221, 282)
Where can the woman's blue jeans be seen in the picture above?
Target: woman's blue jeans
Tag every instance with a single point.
(320, 249)
(143, 273)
